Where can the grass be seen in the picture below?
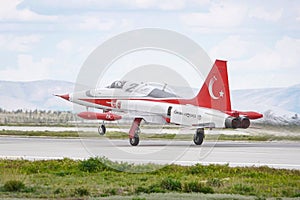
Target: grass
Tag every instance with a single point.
(94, 178)
(40, 133)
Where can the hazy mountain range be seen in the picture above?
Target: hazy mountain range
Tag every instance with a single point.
(278, 104)
(34, 95)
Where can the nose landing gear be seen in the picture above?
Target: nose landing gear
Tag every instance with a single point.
(102, 129)
(134, 141)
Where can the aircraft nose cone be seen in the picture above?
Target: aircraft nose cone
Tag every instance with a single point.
(64, 96)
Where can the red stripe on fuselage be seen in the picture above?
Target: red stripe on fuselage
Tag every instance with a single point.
(111, 102)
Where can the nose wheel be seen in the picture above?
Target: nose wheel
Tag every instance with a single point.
(102, 129)
(199, 136)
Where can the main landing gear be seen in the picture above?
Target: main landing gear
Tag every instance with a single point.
(134, 132)
(102, 129)
(199, 136)
(134, 141)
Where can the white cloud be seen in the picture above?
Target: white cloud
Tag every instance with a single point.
(219, 15)
(254, 54)
(171, 4)
(297, 11)
(65, 46)
(289, 49)
(269, 67)
(141, 3)
(235, 47)
(9, 11)
(262, 13)
(285, 55)
(19, 43)
(95, 23)
(121, 5)
(156, 4)
(27, 69)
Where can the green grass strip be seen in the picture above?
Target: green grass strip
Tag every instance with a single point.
(100, 177)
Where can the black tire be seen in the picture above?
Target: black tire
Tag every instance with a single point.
(102, 130)
(134, 141)
(199, 136)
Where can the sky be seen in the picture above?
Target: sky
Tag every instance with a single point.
(51, 39)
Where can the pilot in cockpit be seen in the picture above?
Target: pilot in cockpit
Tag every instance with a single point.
(117, 84)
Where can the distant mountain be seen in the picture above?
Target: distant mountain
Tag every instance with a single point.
(279, 105)
(282, 98)
(34, 95)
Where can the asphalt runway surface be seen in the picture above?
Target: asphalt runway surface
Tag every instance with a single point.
(272, 154)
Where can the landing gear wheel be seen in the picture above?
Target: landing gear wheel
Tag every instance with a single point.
(134, 141)
(134, 132)
(102, 129)
(199, 136)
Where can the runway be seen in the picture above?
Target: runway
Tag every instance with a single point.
(272, 154)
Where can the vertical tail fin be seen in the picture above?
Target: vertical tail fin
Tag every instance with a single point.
(215, 90)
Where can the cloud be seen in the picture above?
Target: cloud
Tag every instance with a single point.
(27, 69)
(276, 66)
(9, 11)
(283, 56)
(235, 47)
(289, 49)
(219, 15)
(262, 13)
(254, 54)
(80, 6)
(65, 46)
(23, 43)
(162, 5)
(95, 23)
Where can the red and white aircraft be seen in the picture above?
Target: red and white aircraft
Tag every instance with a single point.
(209, 109)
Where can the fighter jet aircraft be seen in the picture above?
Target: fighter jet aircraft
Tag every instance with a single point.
(210, 108)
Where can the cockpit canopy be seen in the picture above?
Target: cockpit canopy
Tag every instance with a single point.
(153, 90)
(117, 84)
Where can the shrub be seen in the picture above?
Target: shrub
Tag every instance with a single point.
(81, 192)
(215, 182)
(58, 191)
(197, 187)
(192, 187)
(171, 184)
(14, 186)
(138, 198)
(92, 165)
(62, 173)
(111, 191)
(141, 189)
(207, 190)
(243, 189)
(297, 194)
(155, 188)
